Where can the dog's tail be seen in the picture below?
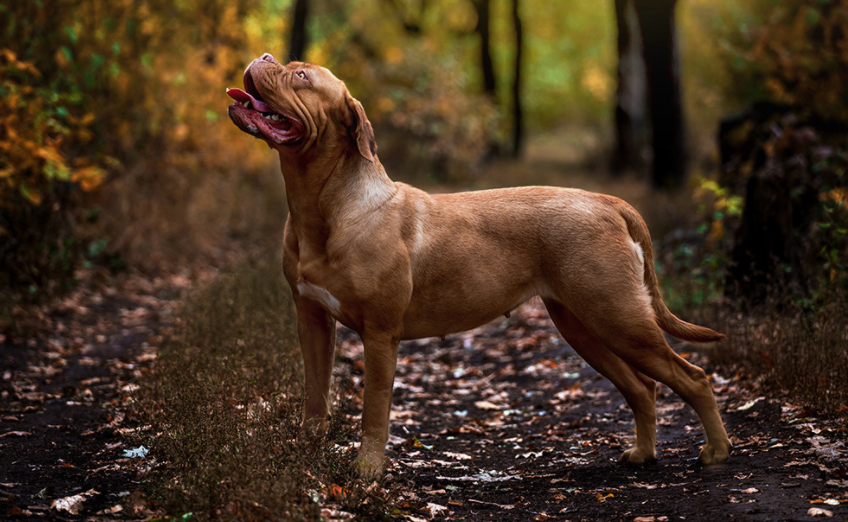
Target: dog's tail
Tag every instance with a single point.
(665, 319)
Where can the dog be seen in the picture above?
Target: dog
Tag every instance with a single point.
(392, 262)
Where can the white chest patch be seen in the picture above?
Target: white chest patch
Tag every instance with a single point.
(316, 293)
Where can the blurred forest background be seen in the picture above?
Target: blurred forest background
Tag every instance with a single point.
(724, 122)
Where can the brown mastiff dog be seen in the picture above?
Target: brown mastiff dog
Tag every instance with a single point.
(392, 262)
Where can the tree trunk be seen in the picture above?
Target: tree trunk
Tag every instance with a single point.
(630, 96)
(490, 85)
(517, 116)
(656, 24)
(486, 66)
(299, 38)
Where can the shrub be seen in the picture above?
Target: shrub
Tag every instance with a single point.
(39, 182)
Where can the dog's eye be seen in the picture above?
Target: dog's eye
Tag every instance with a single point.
(300, 74)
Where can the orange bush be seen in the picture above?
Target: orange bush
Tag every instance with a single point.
(33, 127)
(794, 52)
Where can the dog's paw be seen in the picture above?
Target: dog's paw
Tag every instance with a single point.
(370, 466)
(714, 454)
(636, 456)
(315, 425)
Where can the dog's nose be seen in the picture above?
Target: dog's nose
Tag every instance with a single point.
(268, 58)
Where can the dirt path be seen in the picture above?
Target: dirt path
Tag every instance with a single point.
(504, 423)
(507, 423)
(64, 396)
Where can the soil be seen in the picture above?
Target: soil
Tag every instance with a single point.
(505, 422)
(65, 395)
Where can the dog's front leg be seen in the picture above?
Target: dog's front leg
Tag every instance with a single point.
(380, 363)
(317, 332)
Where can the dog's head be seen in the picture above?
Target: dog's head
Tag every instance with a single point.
(299, 106)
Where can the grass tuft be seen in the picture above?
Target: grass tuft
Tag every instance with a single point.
(792, 350)
(225, 405)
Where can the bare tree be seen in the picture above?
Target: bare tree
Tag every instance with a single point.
(657, 28)
(299, 36)
(630, 95)
(517, 113)
(486, 65)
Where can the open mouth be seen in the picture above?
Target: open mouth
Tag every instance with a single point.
(255, 117)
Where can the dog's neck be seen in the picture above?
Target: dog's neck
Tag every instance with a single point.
(322, 194)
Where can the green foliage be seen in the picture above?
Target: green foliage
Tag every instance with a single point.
(35, 123)
(123, 88)
(38, 182)
(832, 231)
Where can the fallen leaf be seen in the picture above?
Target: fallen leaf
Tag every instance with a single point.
(819, 512)
(457, 456)
(750, 490)
(486, 405)
(73, 503)
(16, 434)
(139, 452)
(483, 476)
(434, 509)
(335, 515)
(502, 506)
(117, 508)
(336, 491)
(748, 405)
(642, 485)
(418, 444)
(530, 454)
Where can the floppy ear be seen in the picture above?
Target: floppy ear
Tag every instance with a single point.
(360, 129)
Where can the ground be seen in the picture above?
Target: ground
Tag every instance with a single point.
(505, 422)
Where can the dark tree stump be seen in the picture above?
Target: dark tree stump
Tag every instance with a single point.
(772, 242)
(767, 156)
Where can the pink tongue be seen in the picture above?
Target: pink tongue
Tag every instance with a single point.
(241, 97)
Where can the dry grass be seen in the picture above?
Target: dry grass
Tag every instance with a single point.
(225, 405)
(794, 352)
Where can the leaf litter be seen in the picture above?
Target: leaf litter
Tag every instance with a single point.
(543, 431)
(502, 421)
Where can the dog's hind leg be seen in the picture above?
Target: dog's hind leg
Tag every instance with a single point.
(636, 338)
(639, 391)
